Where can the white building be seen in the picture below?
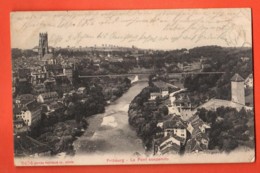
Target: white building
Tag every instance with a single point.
(249, 82)
(26, 116)
(165, 92)
(176, 131)
(82, 90)
(153, 96)
(49, 96)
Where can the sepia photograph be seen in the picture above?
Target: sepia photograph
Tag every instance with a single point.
(120, 87)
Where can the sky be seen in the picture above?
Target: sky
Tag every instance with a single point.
(147, 29)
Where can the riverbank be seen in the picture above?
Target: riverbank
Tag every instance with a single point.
(68, 137)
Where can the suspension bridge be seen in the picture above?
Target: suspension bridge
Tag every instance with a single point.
(137, 77)
(134, 74)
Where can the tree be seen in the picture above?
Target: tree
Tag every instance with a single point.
(228, 126)
(164, 110)
(16, 53)
(150, 81)
(24, 88)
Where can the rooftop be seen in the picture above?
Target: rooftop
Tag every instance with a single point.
(48, 56)
(215, 103)
(250, 76)
(237, 78)
(53, 67)
(49, 94)
(161, 85)
(182, 98)
(155, 94)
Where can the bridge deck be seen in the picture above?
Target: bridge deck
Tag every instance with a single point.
(131, 74)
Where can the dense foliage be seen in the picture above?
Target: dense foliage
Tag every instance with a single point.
(229, 128)
(227, 60)
(144, 115)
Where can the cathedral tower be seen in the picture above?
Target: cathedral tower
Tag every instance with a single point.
(43, 44)
(237, 89)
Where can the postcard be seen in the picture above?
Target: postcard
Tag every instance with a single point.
(132, 87)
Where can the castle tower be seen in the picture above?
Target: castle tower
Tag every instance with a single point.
(237, 89)
(43, 44)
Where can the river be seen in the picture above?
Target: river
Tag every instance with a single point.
(110, 132)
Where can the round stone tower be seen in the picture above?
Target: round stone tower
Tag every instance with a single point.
(237, 89)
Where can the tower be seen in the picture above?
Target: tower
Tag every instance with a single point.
(43, 44)
(237, 89)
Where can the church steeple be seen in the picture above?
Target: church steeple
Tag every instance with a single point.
(43, 44)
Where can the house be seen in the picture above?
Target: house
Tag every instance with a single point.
(49, 59)
(38, 75)
(52, 107)
(153, 96)
(183, 104)
(245, 59)
(54, 69)
(180, 66)
(198, 126)
(200, 143)
(26, 116)
(39, 88)
(82, 90)
(182, 101)
(186, 51)
(19, 126)
(160, 124)
(199, 135)
(190, 128)
(205, 66)
(47, 97)
(35, 112)
(71, 93)
(166, 144)
(165, 92)
(175, 131)
(18, 123)
(30, 113)
(24, 99)
(50, 84)
(62, 80)
(176, 128)
(249, 82)
(68, 71)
